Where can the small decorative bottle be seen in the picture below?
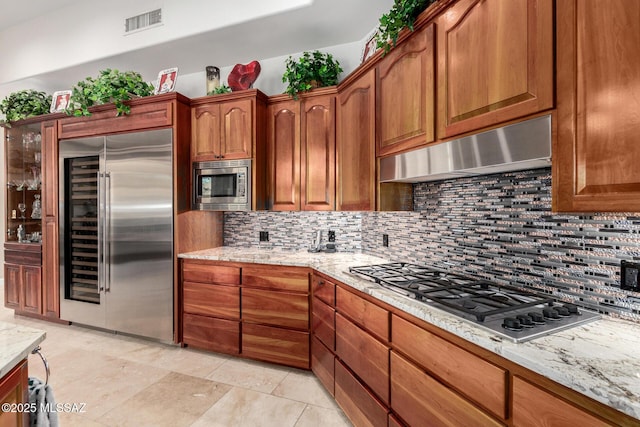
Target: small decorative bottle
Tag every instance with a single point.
(22, 235)
(213, 78)
(36, 208)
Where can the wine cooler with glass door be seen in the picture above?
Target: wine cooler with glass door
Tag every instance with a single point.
(116, 233)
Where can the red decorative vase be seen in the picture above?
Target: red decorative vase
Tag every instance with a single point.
(242, 76)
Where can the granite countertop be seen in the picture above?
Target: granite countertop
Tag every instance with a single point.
(16, 343)
(599, 359)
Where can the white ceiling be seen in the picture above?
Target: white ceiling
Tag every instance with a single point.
(322, 24)
(17, 12)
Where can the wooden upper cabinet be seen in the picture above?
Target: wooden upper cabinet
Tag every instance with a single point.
(596, 155)
(222, 129)
(318, 153)
(283, 155)
(205, 131)
(405, 90)
(301, 152)
(495, 63)
(355, 144)
(237, 125)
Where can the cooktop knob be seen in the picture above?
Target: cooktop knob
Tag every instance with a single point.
(562, 311)
(525, 320)
(573, 309)
(537, 318)
(512, 324)
(550, 313)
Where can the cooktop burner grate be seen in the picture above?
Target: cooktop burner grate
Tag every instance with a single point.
(508, 310)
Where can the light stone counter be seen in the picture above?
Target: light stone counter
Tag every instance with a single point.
(599, 359)
(16, 343)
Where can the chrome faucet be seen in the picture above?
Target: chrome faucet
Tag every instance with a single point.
(317, 242)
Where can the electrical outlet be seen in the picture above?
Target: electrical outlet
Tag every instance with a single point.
(332, 236)
(264, 236)
(629, 272)
(385, 240)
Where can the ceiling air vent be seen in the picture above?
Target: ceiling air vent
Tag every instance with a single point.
(145, 20)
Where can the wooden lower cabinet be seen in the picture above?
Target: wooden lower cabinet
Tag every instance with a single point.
(420, 400)
(323, 323)
(323, 364)
(358, 403)
(472, 376)
(419, 376)
(281, 309)
(366, 314)
(212, 300)
(23, 288)
(323, 289)
(257, 311)
(366, 356)
(210, 333)
(14, 390)
(534, 407)
(277, 345)
(394, 422)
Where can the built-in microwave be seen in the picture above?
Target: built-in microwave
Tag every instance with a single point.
(223, 185)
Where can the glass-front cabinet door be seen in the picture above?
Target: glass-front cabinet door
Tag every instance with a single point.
(24, 182)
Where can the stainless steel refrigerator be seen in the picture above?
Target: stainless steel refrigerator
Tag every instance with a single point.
(116, 233)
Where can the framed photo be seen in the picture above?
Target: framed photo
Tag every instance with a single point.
(370, 45)
(60, 101)
(166, 81)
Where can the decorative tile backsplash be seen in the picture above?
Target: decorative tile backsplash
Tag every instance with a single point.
(293, 230)
(499, 227)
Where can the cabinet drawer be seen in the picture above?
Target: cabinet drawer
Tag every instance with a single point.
(367, 357)
(276, 345)
(324, 290)
(194, 271)
(323, 364)
(323, 323)
(213, 334)
(366, 314)
(212, 300)
(533, 406)
(362, 408)
(421, 400)
(23, 257)
(480, 380)
(276, 278)
(275, 308)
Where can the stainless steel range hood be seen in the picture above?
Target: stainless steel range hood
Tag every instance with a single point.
(524, 145)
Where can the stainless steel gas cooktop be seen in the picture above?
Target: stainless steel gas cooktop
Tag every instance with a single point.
(511, 312)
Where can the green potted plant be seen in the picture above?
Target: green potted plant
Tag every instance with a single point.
(311, 70)
(25, 103)
(402, 15)
(110, 86)
(219, 90)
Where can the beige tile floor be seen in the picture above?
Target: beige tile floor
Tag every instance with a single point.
(125, 381)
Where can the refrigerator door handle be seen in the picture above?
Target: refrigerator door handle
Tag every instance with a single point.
(100, 232)
(107, 230)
